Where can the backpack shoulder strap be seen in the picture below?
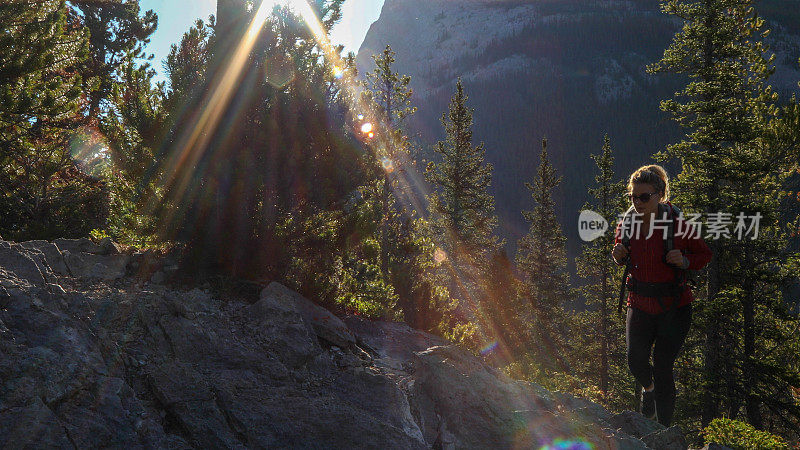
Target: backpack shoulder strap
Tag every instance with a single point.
(627, 227)
(669, 239)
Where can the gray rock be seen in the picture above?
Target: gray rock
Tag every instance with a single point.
(53, 255)
(82, 245)
(392, 340)
(188, 400)
(322, 322)
(21, 264)
(32, 426)
(127, 368)
(109, 247)
(94, 266)
(473, 405)
(667, 439)
(157, 278)
(277, 313)
(635, 424)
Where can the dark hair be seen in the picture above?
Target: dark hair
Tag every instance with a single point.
(653, 175)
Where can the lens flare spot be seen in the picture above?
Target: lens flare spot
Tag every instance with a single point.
(338, 72)
(279, 72)
(89, 150)
(360, 117)
(489, 348)
(371, 135)
(388, 165)
(439, 256)
(366, 128)
(568, 444)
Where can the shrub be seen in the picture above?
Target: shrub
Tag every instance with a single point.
(741, 436)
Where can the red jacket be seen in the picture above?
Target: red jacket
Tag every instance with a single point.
(647, 263)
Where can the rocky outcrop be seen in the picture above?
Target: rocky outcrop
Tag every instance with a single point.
(101, 364)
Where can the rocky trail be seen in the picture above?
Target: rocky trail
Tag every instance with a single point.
(91, 356)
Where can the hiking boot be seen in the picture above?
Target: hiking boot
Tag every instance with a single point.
(648, 405)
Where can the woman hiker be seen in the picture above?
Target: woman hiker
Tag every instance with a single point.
(659, 301)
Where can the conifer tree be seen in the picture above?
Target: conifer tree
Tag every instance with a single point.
(726, 167)
(602, 344)
(462, 210)
(117, 33)
(541, 261)
(134, 127)
(390, 95)
(43, 193)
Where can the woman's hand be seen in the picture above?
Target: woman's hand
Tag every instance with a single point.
(676, 258)
(619, 252)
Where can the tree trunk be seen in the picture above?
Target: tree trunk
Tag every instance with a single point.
(604, 334)
(712, 376)
(752, 402)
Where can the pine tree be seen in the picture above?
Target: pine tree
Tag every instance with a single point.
(462, 211)
(541, 261)
(389, 94)
(43, 192)
(134, 128)
(117, 33)
(726, 108)
(601, 347)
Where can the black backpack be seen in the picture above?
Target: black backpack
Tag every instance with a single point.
(682, 276)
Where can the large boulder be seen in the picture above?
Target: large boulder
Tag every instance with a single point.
(391, 341)
(322, 322)
(25, 264)
(82, 245)
(277, 313)
(462, 403)
(51, 252)
(96, 266)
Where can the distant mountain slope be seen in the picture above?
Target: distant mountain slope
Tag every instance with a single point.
(569, 70)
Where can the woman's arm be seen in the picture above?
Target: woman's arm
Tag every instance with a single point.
(697, 251)
(618, 241)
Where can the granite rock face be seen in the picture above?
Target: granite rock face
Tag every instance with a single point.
(112, 364)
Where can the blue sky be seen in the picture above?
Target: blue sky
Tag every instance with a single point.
(176, 16)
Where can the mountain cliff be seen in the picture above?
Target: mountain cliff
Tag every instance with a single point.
(96, 352)
(568, 70)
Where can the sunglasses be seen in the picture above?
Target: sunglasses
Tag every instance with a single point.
(644, 198)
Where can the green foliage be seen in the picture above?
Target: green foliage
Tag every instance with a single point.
(273, 145)
(541, 261)
(462, 215)
(389, 91)
(597, 352)
(406, 243)
(308, 265)
(333, 259)
(133, 127)
(362, 288)
(735, 159)
(47, 189)
(388, 95)
(117, 35)
(187, 65)
(462, 209)
(422, 290)
(741, 436)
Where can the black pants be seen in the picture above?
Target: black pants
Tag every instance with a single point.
(667, 331)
